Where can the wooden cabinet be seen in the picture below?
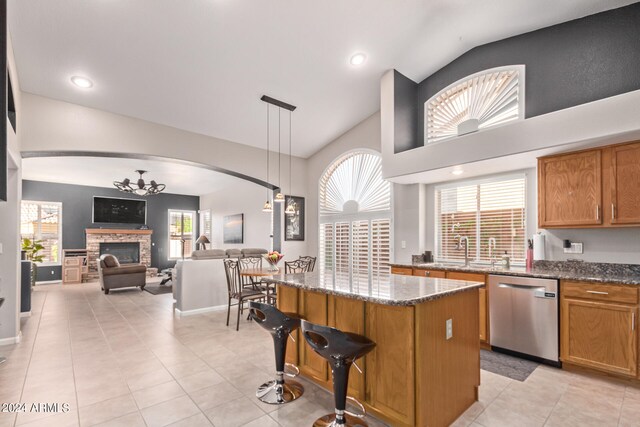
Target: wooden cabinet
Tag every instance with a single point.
(598, 327)
(312, 307)
(287, 301)
(404, 271)
(429, 273)
(570, 189)
(390, 375)
(74, 265)
(348, 315)
(484, 308)
(625, 184)
(591, 188)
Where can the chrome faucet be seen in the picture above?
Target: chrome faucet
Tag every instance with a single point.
(459, 246)
(492, 247)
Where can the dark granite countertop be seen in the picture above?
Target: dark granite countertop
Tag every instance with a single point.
(389, 289)
(623, 274)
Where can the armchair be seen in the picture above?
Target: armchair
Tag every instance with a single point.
(113, 275)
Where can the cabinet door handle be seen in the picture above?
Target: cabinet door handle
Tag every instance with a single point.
(598, 292)
(633, 320)
(598, 213)
(613, 211)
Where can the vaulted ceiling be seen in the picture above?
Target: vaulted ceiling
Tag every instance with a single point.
(201, 65)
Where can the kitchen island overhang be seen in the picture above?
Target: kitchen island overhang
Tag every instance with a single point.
(416, 375)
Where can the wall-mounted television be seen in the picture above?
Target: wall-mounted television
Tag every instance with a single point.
(112, 210)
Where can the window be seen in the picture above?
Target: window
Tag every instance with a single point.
(355, 218)
(483, 211)
(43, 221)
(489, 98)
(181, 233)
(205, 224)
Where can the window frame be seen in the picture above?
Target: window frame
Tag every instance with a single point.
(195, 231)
(519, 68)
(40, 203)
(350, 218)
(470, 182)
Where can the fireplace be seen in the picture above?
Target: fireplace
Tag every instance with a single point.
(126, 252)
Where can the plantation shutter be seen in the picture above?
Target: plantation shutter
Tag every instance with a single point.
(342, 248)
(326, 247)
(482, 211)
(380, 246)
(360, 252)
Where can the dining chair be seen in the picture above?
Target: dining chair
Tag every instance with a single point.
(238, 292)
(297, 266)
(253, 282)
(311, 260)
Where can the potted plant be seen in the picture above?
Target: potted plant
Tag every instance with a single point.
(32, 249)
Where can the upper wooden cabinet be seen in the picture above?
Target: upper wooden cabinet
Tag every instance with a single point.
(570, 190)
(591, 188)
(625, 184)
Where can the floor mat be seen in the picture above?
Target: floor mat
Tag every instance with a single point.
(158, 289)
(507, 366)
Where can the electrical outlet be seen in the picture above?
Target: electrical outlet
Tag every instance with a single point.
(576, 248)
(449, 328)
(1, 248)
(403, 244)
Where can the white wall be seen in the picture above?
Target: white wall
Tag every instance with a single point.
(9, 232)
(51, 125)
(247, 198)
(365, 135)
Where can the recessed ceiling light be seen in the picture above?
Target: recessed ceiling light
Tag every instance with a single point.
(358, 59)
(457, 171)
(82, 82)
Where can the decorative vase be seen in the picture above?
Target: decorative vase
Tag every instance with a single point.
(273, 258)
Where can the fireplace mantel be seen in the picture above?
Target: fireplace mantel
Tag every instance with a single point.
(95, 236)
(116, 231)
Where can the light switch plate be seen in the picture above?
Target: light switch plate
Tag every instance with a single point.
(1, 248)
(449, 327)
(403, 244)
(576, 248)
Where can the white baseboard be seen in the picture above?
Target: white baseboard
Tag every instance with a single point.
(203, 310)
(25, 314)
(11, 340)
(48, 282)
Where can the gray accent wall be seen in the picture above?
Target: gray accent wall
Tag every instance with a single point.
(568, 64)
(77, 206)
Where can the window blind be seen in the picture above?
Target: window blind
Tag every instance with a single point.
(42, 221)
(484, 212)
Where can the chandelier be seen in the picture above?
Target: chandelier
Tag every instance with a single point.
(140, 187)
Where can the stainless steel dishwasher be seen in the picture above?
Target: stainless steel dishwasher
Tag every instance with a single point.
(523, 317)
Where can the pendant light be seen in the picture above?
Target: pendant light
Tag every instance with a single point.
(279, 196)
(291, 206)
(267, 205)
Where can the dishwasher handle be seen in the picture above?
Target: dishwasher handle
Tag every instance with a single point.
(538, 291)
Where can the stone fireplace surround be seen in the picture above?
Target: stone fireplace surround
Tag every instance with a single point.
(95, 236)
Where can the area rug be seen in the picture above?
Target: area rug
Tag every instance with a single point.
(158, 289)
(507, 366)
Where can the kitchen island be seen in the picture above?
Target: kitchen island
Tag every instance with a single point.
(415, 376)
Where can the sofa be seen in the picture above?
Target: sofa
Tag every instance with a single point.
(200, 284)
(114, 275)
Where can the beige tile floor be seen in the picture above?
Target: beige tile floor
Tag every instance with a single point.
(124, 360)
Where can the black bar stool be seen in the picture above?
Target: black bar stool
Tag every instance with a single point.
(340, 349)
(280, 325)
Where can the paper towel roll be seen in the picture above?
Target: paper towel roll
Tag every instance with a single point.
(538, 247)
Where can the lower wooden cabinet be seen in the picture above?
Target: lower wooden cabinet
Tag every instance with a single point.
(599, 334)
(437, 274)
(404, 271)
(484, 308)
(313, 307)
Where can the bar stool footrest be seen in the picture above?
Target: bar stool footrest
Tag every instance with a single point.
(273, 393)
(329, 420)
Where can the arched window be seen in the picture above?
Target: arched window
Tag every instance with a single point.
(355, 217)
(482, 100)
